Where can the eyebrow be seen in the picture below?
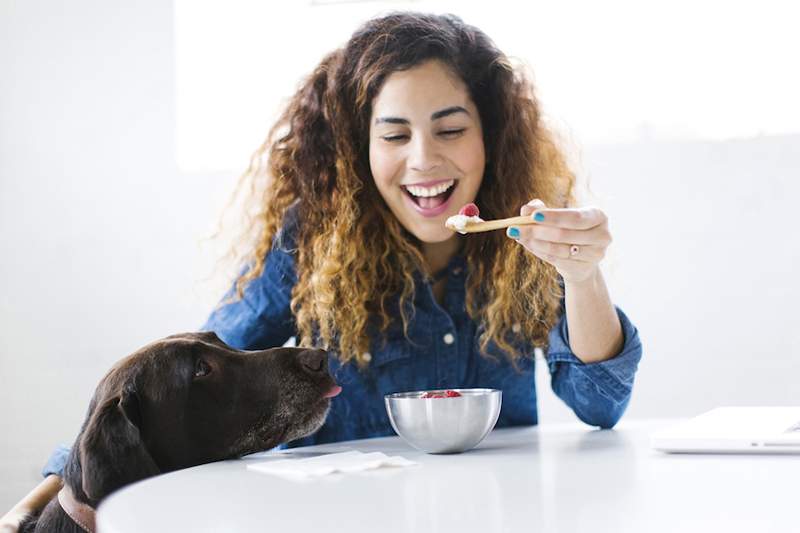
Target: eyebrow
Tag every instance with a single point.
(435, 116)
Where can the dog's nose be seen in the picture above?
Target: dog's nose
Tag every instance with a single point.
(314, 361)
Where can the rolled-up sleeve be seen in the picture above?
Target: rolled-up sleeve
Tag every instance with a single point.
(598, 393)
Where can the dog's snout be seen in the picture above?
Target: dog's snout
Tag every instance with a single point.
(314, 361)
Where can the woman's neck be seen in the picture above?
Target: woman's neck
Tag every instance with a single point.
(438, 254)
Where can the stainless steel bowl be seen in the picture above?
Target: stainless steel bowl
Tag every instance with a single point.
(444, 425)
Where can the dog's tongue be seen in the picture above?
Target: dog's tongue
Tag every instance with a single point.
(335, 390)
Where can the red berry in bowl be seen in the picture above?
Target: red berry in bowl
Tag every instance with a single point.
(441, 394)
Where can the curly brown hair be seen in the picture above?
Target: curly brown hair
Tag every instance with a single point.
(353, 256)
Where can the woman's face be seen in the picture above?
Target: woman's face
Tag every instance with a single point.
(426, 148)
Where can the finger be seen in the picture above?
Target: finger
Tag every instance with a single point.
(550, 251)
(531, 206)
(570, 218)
(551, 259)
(596, 236)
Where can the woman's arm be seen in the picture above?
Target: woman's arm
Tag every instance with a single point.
(595, 333)
(594, 350)
(31, 504)
(574, 241)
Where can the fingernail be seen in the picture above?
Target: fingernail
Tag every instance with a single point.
(538, 217)
(513, 232)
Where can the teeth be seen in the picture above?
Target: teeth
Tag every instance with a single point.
(429, 191)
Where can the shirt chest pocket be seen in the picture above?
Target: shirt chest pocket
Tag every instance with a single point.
(395, 367)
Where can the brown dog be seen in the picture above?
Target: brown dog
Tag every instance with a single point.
(182, 401)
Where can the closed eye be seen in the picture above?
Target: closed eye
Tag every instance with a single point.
(445, 133)
(452, 133)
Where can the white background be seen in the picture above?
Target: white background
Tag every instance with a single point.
(123, 128)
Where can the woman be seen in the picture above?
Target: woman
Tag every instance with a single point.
(416, 116)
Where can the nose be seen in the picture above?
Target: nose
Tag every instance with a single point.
(424, 156)
(314, 362)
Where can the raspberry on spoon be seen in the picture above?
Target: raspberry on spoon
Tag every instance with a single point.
(470, 210)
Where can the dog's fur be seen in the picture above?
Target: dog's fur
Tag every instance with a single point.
(158, 410)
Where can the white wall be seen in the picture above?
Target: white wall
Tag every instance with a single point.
(705, 261)
(98, 231)
(99, 235)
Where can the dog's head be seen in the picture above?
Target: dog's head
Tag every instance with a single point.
(190, 399)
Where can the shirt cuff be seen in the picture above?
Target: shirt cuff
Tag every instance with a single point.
(56, 462)
(613, 376)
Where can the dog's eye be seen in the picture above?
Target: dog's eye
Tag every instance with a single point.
(201, 368)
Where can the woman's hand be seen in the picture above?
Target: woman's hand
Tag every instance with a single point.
(574, 240)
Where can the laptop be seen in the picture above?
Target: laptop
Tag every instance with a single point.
(734, 430)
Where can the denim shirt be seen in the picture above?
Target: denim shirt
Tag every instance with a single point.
(441, 352)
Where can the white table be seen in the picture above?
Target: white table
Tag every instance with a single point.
(560, 478)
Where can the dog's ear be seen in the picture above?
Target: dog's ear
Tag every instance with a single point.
(112, 453)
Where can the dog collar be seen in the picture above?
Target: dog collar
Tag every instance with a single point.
(81, 514)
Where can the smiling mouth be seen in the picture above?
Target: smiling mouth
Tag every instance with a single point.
(430, 197)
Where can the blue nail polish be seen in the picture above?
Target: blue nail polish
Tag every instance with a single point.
(538, 217)
(513, 232)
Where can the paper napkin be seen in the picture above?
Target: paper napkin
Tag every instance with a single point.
(323, 465)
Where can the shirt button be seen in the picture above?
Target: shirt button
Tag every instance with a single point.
(457, 271)
(449, 339)
(367, 357)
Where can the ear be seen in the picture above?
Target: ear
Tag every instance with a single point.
(111, 450)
